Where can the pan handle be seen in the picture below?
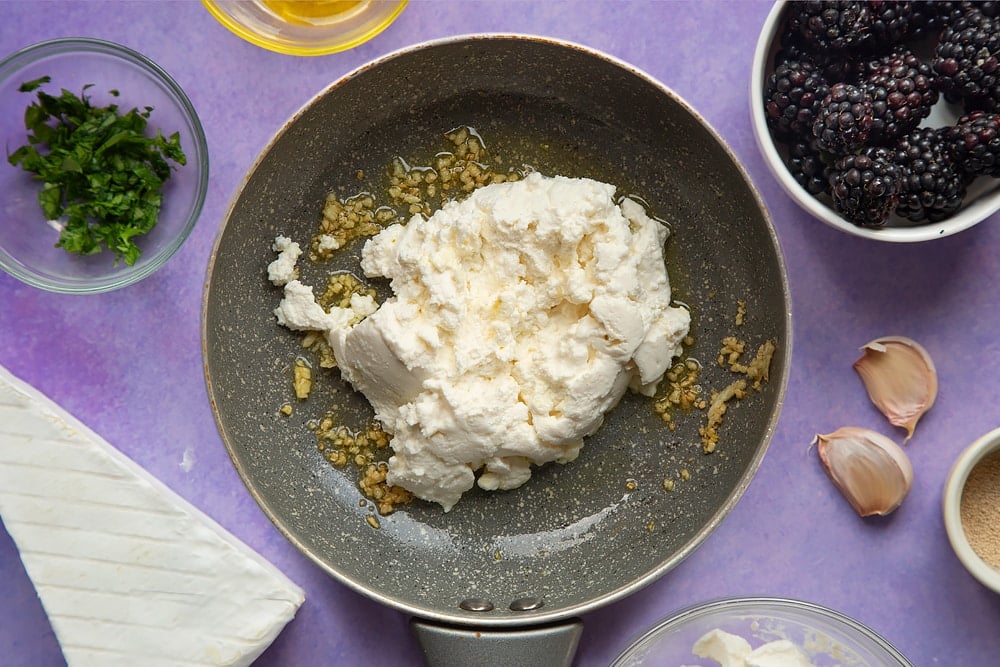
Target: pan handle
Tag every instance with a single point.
(539, 646)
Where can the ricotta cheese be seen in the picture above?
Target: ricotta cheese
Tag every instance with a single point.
(327, 243)
(128, 572)
(282, 269)
(519, 317)
(730, 650)
(299, 311)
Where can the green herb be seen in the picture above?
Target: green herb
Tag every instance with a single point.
(101, 174)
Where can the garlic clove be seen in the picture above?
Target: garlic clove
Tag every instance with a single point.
(871, 470)
(900, 378)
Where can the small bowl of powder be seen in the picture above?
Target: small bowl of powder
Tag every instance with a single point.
(972, 509)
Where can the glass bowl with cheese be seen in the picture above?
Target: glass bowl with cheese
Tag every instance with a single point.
(785, 632)
(99, 168)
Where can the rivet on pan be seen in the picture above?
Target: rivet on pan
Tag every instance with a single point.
(476, 604)
(526, 604)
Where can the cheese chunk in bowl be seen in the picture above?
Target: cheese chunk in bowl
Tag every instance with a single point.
(781, 632)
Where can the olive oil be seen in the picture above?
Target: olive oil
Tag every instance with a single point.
(314, 12)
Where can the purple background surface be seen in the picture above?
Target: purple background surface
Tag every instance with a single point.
(791, 535)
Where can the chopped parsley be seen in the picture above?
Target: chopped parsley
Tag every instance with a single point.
(102, 176)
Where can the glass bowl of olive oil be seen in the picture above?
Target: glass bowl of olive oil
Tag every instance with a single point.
(306, 27)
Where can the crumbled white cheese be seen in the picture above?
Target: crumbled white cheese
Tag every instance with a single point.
(282, 269)
(730, 650)
(299, 311)
(327, 242)
(520, 316)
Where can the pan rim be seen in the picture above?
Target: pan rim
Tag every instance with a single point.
(538, 617)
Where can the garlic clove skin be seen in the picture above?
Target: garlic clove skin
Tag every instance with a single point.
(900, 378)
(871, 471)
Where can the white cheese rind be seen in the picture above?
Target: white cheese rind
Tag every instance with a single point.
(129, 573)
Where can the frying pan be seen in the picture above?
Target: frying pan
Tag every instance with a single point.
(500, 578)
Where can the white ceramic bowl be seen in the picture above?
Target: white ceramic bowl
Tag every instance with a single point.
(967, 460)
(829, 638)
(982, 201)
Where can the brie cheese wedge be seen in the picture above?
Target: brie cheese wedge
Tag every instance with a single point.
(128, 572)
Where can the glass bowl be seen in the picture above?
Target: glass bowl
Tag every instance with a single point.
(981, 201)
(305, 27)
(827, 637)
(27, 239)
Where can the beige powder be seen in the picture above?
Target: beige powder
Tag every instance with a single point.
(980, 509)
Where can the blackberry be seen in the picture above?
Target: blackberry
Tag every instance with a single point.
(892, 21)
(865, 187)
(844, 120)
(928, 18)
(901, 87)
(807, 166)
(975, 143)
(832, 25)
(933, 184)
(967, 61)
(989, 7)
(836, 67)
(794, 93)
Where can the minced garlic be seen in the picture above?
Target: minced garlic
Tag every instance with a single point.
(682, 391)
(709, 431)
(315, 342)
(759, 367)
(339, 447)
(756, 371)
(424, 189)
(340, 287)
(301, 378)
(732, 348)
(374, 486)
(345, 220)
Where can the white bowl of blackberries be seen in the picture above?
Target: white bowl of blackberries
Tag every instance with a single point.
(883, 118)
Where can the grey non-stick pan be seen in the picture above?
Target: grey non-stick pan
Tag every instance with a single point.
(502, 577)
